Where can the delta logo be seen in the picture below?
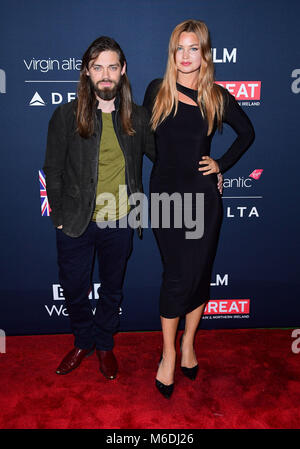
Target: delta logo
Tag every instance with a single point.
(37, 100)
(56, 98)
(247, 93)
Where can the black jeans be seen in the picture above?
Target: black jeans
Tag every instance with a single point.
(75, 261)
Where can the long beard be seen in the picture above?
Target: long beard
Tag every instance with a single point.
(107, 93)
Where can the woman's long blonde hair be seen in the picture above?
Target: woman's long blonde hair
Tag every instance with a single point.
(210, 98)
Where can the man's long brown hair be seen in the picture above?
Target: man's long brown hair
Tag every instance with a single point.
(210, 98)
(85, 114)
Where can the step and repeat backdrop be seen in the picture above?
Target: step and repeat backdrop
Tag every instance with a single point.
(255, 49)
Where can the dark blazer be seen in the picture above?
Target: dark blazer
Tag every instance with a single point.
(71, 164)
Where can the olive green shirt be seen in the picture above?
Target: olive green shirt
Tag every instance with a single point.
(111, 200)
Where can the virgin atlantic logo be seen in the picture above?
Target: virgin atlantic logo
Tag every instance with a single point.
(241, 181)
(256, 174)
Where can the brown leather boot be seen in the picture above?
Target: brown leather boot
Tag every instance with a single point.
(107, 363)
(72, 360)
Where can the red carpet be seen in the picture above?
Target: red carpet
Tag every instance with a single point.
(248, 379)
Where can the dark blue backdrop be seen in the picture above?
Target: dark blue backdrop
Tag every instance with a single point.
(259, 246)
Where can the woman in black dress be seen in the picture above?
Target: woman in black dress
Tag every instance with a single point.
(186, 109)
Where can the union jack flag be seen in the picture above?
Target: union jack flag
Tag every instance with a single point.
(45, 207)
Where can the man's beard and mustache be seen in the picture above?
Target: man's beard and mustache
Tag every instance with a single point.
(107, 93)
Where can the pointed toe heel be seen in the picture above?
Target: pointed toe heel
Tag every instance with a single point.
(165, 390)
(191, 373)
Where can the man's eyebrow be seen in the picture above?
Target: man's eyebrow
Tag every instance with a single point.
(110, 65)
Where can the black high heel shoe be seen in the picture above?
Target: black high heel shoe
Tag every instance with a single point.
(191, 373)
(165, 390)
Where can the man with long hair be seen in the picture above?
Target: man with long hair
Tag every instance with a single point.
(95, 145)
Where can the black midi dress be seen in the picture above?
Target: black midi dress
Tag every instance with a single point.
(181, 141)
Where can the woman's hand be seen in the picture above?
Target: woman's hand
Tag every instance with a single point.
(220, 183)
(211, 166)
(59, 227)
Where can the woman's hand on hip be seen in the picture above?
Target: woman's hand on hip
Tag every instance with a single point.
(220, 183)
(210, 166)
